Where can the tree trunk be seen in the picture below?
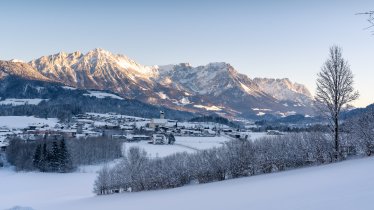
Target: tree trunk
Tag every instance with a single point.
(337, 149)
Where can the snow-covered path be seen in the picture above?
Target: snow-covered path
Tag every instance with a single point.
(347, 185)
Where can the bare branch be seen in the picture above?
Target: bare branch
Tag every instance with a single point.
(370, 19)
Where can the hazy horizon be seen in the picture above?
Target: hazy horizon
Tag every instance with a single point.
(272, 39)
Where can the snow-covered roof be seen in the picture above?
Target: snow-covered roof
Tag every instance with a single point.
(159, 121)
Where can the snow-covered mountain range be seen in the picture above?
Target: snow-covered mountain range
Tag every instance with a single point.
(215, 87)
(284, 89)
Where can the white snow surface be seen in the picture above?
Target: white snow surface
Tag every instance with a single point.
(260, 113)
(99, 94)
(21, 101)
(19, 122)
(15, 60)
(345, 186)
(200, 143)
(185, 101)
(162, 95)
(209, 108)
(154, 151)
(182, 144)
(68, 88)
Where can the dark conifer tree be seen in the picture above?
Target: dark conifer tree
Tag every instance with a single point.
(54, 161)
(65, 162)
(37, 157)
(44, 160)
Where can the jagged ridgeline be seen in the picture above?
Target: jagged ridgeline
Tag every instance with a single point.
(215, 88)
(63, 102)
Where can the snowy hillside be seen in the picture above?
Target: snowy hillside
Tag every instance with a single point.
(345, 186)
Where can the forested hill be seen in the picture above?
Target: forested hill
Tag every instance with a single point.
(215, 119)
(64, 102)
(354, 113)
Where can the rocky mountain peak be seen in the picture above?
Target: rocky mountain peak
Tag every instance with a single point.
(181, 86)
(284, 89)
(20, 69)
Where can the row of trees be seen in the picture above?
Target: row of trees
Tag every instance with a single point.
(61, 156)
(215, 119)
(94, 150)
(137, 172)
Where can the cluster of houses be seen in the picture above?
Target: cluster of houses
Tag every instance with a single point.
(112, 125)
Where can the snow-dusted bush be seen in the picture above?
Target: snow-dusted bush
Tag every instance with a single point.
(359, 136)
(236, 158)
(240, 158)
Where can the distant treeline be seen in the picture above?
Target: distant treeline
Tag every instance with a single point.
(263, 127)
(215, 119)
(61, 155)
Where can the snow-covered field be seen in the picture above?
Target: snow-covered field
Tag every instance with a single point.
(154, 151)
(185, 144)
(345, 186)
(31, 189)
(200, 143)
(24, 121)
(99, 94)
(182, 144)
(20, 101)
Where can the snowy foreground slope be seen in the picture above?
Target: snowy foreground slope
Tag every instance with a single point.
(343, 186)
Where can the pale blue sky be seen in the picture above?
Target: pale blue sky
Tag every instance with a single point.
(259, 38)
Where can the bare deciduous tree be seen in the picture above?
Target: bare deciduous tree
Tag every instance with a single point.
(370, 18)
(335, 90)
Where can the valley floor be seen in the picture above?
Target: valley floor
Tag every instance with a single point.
(347, 185)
